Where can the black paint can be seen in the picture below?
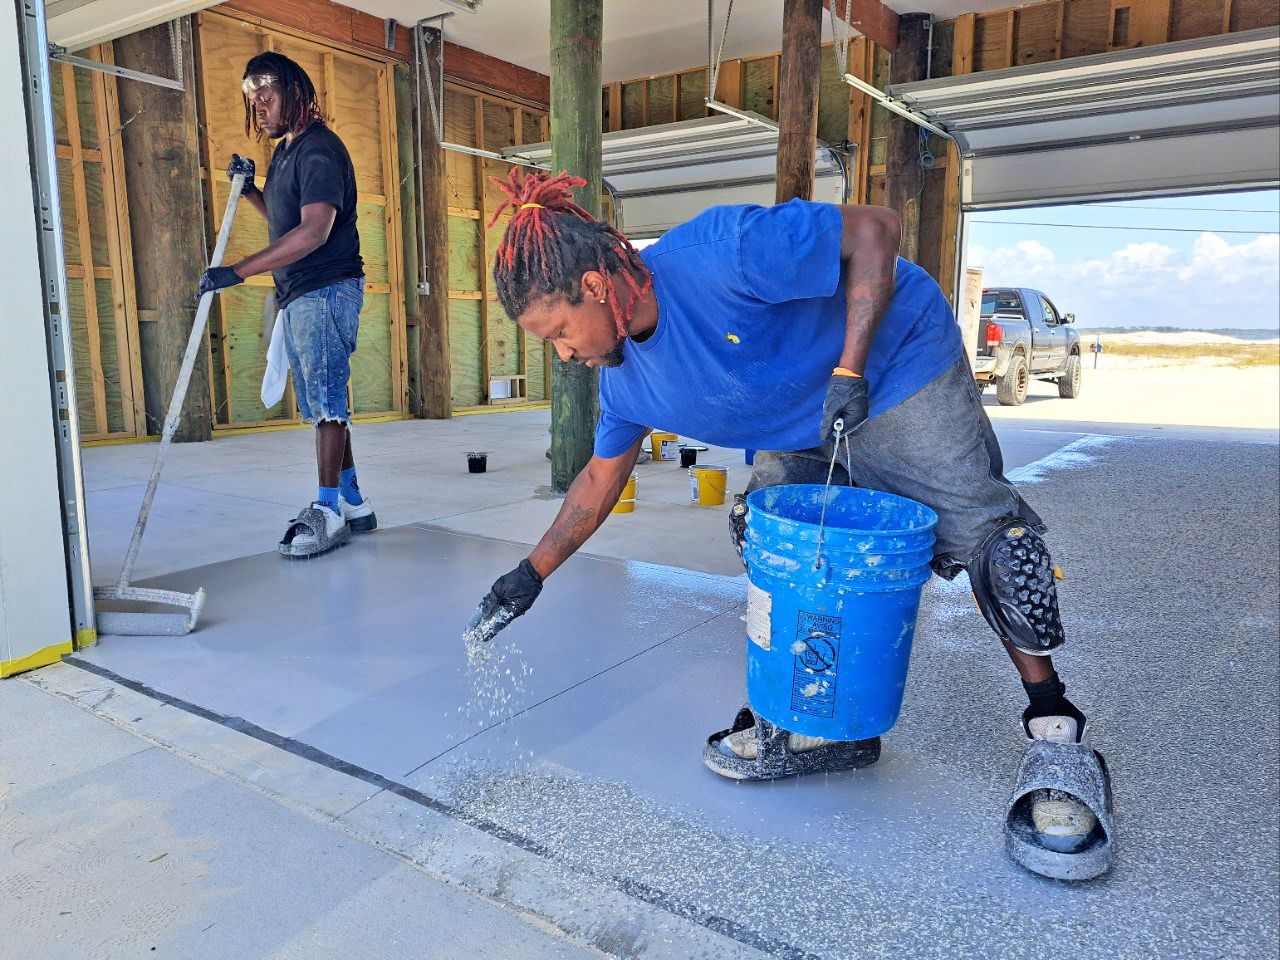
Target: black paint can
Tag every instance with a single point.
(689, 455)
(477, 462)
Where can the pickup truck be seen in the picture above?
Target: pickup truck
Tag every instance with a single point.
(1022, 335)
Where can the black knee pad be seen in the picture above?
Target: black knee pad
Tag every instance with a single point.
(1016, 588)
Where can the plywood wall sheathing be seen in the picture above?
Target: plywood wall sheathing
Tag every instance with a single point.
(484, 343)
(95, 223)
(357, 96)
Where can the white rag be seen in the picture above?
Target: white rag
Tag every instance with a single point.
(277, 372)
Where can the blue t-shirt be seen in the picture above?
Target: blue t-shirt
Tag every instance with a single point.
(751, 322)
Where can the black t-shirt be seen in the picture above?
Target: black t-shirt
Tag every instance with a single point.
(315, 168)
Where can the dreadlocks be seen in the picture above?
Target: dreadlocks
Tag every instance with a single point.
(298, 103)
(551, 242)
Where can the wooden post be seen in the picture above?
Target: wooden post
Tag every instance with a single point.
(799, 77)
(904, 178)
(576, 27)
(162, 164)
(434, 373)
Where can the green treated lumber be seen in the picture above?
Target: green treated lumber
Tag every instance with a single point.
(576, 78)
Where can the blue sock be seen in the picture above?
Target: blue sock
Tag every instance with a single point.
(328, 498)
(350, 489)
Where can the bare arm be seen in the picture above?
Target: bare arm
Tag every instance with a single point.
(869, 249)
(317, 221)
(590, 498)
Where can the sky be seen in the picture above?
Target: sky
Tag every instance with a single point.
(1213, 262)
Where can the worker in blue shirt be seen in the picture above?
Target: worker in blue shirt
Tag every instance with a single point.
(770, 329)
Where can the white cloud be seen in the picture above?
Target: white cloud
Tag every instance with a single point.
(1215, 283)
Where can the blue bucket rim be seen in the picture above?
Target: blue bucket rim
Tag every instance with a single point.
(931, 515)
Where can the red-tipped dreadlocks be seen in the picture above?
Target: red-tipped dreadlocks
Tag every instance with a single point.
(551, 242)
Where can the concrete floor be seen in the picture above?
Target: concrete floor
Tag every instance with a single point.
(578, 747)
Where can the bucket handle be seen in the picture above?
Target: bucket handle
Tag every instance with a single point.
(838, 426)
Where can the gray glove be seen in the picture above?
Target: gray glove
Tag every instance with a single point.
(848, 399)
(510, 596)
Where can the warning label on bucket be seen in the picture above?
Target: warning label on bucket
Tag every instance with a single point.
(816, 655)
(759, 610)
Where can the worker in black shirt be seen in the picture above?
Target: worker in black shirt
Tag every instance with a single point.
(309, 201)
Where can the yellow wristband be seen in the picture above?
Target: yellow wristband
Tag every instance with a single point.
(845, 372)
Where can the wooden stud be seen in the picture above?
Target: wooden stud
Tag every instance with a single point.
(729, 83)
(119, 247)
(484, 255)
(644, 104)
(1226, 16)
(1059, 24)
(391, 218)
(962, 59)
(329, 99)
(1009, 36)
(615, 106)
(81, 202)
(675, 97)
(950, 223)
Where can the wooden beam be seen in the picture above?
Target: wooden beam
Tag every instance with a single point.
(800, 73)
(615, 106)
(166, 219)
(1011, 19)
(576, 29)
(905, 180)
(873, 19)
(1226, 16)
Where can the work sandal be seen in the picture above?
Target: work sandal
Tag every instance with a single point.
(1075, 769)
(314, 532)
(774, 757)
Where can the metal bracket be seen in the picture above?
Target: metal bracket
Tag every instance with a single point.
(60, 54)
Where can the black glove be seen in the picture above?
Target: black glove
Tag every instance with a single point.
(243, 165)
(510, 596)
(217, 278)
(848, 399)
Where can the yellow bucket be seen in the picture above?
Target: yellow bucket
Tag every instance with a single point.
(707, 485)
(627, 502)
(665, 446)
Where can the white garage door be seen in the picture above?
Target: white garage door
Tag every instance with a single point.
(669, 173)
(76, 24)
(1186, 117)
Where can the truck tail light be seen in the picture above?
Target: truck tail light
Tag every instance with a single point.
(995, 334)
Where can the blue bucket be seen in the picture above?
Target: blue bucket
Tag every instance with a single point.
(829, 641)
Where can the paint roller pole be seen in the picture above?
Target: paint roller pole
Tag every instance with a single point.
(194, 344)
(576, 81)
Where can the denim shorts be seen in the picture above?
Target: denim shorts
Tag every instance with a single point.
(937, 448)
(320, 329)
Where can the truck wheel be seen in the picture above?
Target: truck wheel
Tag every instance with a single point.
(1011, 389)
(1069, 383)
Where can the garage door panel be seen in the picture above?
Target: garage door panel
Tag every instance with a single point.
(1243, 159)
(1182, 117)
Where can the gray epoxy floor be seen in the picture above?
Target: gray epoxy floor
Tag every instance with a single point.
(1170, 602)
(233, 497)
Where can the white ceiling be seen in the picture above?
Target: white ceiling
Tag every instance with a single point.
(640, 38)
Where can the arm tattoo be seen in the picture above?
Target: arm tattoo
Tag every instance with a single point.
(572, 530)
